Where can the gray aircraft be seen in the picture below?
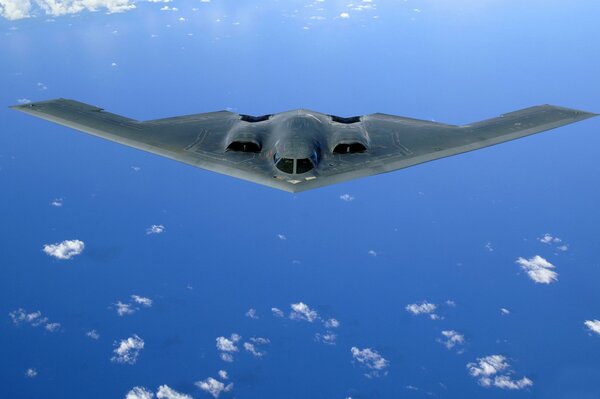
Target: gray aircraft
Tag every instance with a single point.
(301, 149)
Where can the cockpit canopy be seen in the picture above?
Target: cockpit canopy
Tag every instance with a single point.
(294, 166)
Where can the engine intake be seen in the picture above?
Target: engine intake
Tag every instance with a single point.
(349, 148)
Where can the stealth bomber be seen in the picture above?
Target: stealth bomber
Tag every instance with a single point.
(300, 150)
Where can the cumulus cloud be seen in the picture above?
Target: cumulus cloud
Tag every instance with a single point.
(301, 311)
(34, 319)
(346, 197)
(344, 15)
(250, 347)
(31, 373)
(20, 316)
(423, 308)
(277, 312)
(372, 360)
(281, 237)
(451, 339)
(260, 340)
(213, 386)
(372, 253)
(549, 239)
(57, 202)
(331, 323)
(593, 326)
(155, 229)
(223, 374)
(139, 393)
(128, 350)
(147, 302)
(495, 371)
(166, 392)
(52, 327)
(538, 269)
(228, 344)
(93, 334)
(19, 9)
(327, 338)
(124, 308)
(251, 313)
(64, 250)
(15, 9)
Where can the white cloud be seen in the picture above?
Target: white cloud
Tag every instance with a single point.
(93, 334)
(277, 312)
(57, 202)
(452, 338)
(226, 357)
(19, 9)
(593, 326)
(15, 9)
(260, 340)
(124, 308)
(487, 366)
(281, 237)
(423, 308)
(506, 382)
(344, 15)
(372, 360)
(64, 250)
(128, 350)
(228, 345)
(504, 311)
(331, 323)
(223, 374)
(548, 239)
(213, 387)
(147, 302)
(489, 247)
(538, 269)
(252, 349)
(251, 313)
(34, 319)
(52, 327)
(20, 316)
(166, 392)
(139, 393)
(31, 373)
(57, 8)
(21, 100)
(372, 253)
(155, 229)
(346, 197)
(301, 311)
(494, 371)
(327, 338)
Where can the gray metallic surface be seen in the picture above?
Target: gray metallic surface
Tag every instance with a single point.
(391, 142)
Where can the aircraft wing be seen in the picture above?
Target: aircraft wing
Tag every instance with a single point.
(197, 139)
(398, 142)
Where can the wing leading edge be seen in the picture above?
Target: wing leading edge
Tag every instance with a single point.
(398, 142)
(394, 142)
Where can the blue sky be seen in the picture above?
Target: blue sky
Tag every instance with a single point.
(404, 262)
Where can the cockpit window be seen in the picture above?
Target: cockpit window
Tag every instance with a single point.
(303, 165)
(285, 165)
